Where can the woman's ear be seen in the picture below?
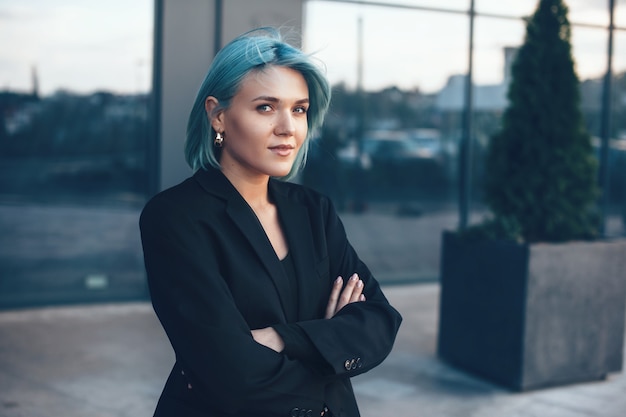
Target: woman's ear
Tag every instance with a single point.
(215, 117)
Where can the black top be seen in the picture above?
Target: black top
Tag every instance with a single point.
(292, 280)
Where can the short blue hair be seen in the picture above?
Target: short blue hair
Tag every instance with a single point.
(250, 52)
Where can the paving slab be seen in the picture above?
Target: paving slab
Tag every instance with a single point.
(111, 360)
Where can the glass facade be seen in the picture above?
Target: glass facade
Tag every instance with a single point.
(585, 12)
(620, 13)
(514, 9)
(75, 131)
(389, 152)
(616, 219)
(73, 134)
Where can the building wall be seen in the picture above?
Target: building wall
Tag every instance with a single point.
(186, 34)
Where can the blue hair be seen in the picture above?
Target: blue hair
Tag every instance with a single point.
(249, 52)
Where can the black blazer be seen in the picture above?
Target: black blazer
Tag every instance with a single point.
(214, 276)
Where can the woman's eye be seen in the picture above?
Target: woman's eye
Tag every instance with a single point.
(302, 110)
(264, 108)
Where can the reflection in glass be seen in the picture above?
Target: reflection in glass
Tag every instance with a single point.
(493, 59)
(619, 18)
(616, 222)
(387, 155)
(69, 146)
(518, 8)
(73, 134)
(402, 48)
(74, 102)
(588, 12)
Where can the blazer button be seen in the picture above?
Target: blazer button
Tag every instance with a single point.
(359, 364)
(301, 412)
(347, 365)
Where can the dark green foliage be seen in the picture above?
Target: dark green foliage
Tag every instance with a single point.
(496, 228)
(540, 168)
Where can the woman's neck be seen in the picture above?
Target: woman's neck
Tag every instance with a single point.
(252, 189)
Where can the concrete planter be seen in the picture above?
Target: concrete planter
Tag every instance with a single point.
(533, 316)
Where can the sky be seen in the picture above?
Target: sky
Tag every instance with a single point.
(81, 45)
(417, 48)
(87, 45)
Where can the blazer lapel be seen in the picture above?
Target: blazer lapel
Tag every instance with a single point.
(246, 220)
(295, 221)
(243, 216)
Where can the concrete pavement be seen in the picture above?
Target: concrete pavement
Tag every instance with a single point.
(111, 360)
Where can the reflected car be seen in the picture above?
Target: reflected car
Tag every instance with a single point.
(428, 143)
(392, 147)
(394, 165)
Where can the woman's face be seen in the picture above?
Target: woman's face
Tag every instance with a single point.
(265, 125)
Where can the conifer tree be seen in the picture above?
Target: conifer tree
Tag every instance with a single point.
(540, 167)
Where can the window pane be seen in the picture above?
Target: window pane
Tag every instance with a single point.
(593, 12)
(491, 53)
(448, 4)
(589, 47)
(427, 39)
(591, 44)
(619, 16)
(517, 8)
(395, 183)
(493, 57)
(616, 223)
(590, 12)
(73, 133)
(458, 5)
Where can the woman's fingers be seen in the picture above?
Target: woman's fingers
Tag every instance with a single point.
(356, 290)
(350, 294)
(331, 308)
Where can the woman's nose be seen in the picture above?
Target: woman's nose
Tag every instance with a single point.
(285, 126)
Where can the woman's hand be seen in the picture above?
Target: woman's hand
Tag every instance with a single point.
(350, 294)
(270, 338)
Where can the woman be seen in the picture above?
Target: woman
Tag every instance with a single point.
(245, 270)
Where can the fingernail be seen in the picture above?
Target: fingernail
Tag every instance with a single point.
(354, 277)
(338, 280)
(359, 284)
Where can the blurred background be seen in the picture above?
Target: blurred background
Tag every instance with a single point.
(94, 98)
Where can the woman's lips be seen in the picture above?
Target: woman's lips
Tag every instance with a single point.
(282, 150)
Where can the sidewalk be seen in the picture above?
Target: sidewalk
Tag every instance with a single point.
(112, 360)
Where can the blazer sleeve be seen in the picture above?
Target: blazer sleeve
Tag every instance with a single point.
(232, 373)
(360, 335)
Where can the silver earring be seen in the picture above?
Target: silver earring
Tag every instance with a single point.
(219, 140)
